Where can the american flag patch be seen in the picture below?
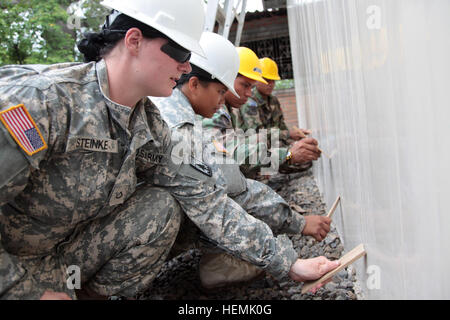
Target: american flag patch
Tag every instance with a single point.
(23, 129)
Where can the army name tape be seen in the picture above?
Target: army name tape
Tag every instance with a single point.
(92, 144)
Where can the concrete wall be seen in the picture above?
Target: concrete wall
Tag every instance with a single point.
(372, 80)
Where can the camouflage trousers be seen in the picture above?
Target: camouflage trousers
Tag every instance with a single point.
(118, 254)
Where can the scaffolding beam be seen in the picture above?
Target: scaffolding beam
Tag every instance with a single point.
(225, 17)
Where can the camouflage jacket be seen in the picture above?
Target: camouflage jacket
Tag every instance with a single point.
(260, 113)
(252, 150)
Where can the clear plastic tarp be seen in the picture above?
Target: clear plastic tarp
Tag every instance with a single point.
(372, 81)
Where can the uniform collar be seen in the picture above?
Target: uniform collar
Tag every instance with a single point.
(226, 109)
(261, 101)
(176, 110)
(258, 97)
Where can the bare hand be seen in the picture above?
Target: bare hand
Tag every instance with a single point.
(305, 150)
(317, 227)
(297, 134)
(312, 269)
(50, 295)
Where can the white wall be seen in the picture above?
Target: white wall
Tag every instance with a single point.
(376, 94)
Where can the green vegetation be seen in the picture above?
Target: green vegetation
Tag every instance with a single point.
(37, 31)
(284, 84)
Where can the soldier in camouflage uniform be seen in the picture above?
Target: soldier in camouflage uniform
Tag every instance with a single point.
(195, 93)
(71, 155)
(263, 111)
(75, 139)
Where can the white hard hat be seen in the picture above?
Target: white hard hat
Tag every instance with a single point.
(180, 20)
(222, 59)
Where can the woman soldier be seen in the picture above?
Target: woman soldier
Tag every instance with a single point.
(202, 92)
(72, 215)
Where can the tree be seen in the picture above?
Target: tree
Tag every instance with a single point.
(36, 31)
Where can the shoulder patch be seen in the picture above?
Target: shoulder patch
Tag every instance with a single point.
(23, 129)
(252, 103)
(202, 167)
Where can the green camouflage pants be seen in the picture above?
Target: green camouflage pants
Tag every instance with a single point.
(118, 254)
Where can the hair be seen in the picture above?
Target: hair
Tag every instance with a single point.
(204, 77)
(95, 46)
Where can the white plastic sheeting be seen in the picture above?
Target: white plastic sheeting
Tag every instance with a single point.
(373, 83)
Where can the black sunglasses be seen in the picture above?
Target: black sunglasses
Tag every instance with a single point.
(176, 52)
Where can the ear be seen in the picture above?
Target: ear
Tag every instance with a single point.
(193, 84)
(133, 40)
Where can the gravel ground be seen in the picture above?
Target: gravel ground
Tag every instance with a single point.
(178, 278)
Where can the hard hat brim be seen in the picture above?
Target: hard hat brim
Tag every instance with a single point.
(233, 92)
(272, 78)
(253, 77)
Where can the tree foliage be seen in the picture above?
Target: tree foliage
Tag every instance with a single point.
(45, 31)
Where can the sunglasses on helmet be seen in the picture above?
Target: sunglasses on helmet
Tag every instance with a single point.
(176, 52)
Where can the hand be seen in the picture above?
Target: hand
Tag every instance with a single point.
(306, 132)
(50, 295)
(297, 134)
(294, 134)
(305, 150)
(317, 227)
(312, 269)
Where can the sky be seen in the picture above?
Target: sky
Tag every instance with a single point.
(253, 5)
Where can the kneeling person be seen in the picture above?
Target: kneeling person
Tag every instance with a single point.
(202, 92)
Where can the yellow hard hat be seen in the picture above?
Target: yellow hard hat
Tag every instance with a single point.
(250, 66)
(269, 69)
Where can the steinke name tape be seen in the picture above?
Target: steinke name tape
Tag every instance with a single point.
(23, 129)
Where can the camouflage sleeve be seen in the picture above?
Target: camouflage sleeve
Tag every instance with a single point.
(14, 171)
(245, 149)
(249, 117)
(221, 219)
(10, 271)
(16, 163)
(219, 121)
(265, 204)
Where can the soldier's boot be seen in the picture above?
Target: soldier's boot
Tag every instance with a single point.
(219, 270)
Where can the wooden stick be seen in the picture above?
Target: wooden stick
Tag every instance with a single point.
(333, 208)
(304, 136)
(346, 260)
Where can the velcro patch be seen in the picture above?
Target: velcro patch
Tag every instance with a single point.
(202, 167)
(23, 129)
